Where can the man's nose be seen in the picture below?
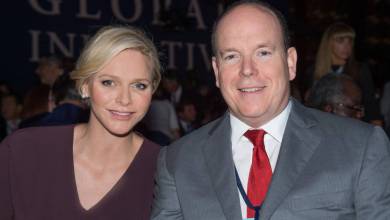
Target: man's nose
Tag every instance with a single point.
(247, 67)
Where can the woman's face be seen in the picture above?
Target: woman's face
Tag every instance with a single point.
(120, 93)
(341, 48)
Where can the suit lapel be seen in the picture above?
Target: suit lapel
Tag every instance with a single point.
(298, 145)
(219, 160)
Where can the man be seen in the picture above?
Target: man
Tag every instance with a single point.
(11, 107)
(49, 69)
(68, 107)
(323, 167)
(186, 112)
(173, 87)
(385, 106)
(338, 94)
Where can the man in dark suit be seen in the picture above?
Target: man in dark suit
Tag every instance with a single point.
(309, 165)
(338, 94)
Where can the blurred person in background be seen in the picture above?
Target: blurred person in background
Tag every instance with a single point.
(67, 104)
(11, 108)
(172, 86)
(4, 88)
(35, 106)
(187, 114)
(161, 120)
(336, 55)
(338, 94)
(101, 169)
(49, 69)
(385, 106)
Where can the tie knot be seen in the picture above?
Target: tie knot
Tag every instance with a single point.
(256, 137)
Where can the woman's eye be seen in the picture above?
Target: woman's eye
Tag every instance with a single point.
(107, 83)
(140, 86)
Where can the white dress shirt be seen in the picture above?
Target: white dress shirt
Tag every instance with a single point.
(242, 147)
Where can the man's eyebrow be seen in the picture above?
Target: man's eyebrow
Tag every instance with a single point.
(266, 45)
(226, 50)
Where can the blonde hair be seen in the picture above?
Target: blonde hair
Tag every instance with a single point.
(323, 63)
(108, 42)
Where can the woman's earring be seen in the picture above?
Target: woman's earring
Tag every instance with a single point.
(84, 96)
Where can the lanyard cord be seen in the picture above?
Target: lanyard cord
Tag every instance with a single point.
(245, 197)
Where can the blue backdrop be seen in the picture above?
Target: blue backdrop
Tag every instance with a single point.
(35, 28)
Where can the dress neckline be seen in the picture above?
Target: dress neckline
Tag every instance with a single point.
(111, 192)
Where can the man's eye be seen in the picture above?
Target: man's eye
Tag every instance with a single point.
(229, 57)
(107, 83)
(263, 53)
(140, 86)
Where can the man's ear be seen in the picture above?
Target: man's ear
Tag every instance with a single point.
(292, 58)
(216, 70)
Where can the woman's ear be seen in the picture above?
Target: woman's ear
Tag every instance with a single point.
(85, 91)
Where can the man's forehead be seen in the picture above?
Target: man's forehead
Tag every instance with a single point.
(244, 16)
(246, 11)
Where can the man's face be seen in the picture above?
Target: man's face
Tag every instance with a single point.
(10, 109)
(251, 66)
(351, 106)
(48, 72)
(189, 113)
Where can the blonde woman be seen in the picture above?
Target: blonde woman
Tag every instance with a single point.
(336, 55)
(99, 170)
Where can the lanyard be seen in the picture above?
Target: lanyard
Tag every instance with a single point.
(245, 197)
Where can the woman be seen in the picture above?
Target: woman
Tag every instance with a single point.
(99, 170)
(335, 55)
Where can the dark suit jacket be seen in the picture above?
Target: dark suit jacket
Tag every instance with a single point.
(329, 167)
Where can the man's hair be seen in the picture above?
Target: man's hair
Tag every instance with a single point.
(328, 90)
(52, 60)
(258, 4)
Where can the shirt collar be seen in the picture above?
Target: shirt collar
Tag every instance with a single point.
(275, 128)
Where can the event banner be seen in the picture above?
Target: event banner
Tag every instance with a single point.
(181, 30)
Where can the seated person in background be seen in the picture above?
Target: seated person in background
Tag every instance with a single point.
(35, 106)
(49, 69)
(101, 169)
(335, 54)
(338, 94)
(68, 105)
(186, 112)
(385, 106)
(4, 88)
(161, 121)
(172, 86)
(11, 107)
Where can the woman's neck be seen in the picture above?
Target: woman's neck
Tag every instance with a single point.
(95, 143)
